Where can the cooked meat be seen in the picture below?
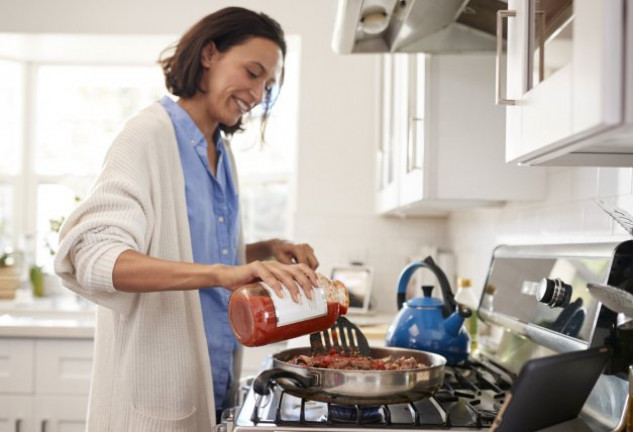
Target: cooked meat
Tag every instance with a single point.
(338, 361)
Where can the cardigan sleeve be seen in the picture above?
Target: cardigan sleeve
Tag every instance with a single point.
(117, 215)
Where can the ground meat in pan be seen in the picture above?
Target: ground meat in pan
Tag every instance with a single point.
(337, 361)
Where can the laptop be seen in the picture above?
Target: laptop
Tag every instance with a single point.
(358, 280)
(551, 390)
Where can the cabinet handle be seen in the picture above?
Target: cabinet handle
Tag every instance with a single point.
(43, 426)
(541, 36)
(412, 148)
(18, 425)
(501, 14)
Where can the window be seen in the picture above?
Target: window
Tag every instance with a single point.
(73, 108)
(11, 109)
(267, 171)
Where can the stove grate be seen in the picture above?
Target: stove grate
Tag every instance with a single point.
(470, 398)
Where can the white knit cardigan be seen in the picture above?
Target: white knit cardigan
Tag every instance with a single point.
(151, 368)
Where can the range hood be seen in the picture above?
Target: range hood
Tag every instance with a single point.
(430, 26)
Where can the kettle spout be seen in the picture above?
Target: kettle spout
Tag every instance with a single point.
(453, 324)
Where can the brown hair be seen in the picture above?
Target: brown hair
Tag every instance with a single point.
(225, 28)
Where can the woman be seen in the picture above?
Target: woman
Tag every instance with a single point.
(162, 222)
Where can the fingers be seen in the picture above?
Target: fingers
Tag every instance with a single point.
(312, 261)
(293, 277)
(288, 280)
(311, 274)
(261, 271)
(289, 253)
(304, 254)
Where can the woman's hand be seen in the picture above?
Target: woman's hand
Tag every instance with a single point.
(283, 251)
(289, 253)
(274, 274)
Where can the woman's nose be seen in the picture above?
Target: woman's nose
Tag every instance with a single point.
(258, 91)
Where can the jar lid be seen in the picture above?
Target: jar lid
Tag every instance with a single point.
(463, 282)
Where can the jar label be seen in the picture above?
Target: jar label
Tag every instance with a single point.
(289, 312)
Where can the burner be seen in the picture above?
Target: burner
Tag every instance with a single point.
(351, 413)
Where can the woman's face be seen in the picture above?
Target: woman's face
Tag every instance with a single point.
(237, 80)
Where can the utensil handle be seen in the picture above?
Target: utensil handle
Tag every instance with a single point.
(412, 144)
(265, 380)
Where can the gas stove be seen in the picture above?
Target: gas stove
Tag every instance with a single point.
(535, 303)
(469, 399)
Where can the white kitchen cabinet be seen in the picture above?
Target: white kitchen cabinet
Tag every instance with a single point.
(15, 414)
(16, 365)
(44, 383)
(443, 139)
(387, 196)
(568, 83)
(60, 414)
(63, 366)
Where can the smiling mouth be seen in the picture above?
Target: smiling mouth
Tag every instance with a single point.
(244, 108)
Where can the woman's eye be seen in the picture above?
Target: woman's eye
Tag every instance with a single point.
(251, 73)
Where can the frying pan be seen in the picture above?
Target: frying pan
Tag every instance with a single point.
(355, 387)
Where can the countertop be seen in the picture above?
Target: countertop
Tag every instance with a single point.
(71, 317)
(49, 317)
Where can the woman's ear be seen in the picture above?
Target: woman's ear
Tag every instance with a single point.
(207, 54)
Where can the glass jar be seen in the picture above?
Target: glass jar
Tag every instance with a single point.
(466, 297)
(259, 317)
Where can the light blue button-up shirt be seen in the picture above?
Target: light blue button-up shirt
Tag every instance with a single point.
(213, 209)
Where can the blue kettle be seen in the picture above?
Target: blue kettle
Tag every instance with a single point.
(426, 323)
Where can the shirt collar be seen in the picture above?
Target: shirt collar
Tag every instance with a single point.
(188, 126)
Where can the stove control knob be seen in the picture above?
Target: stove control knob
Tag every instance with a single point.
(553, 292)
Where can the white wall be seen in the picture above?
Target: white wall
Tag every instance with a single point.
(338, 133)
(569, 214)
(334, 210)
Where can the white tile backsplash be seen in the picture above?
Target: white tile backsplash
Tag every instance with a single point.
(584, 183)
(594, 222)
(568, 214)
(386, 244)
(614, 181)
(559, 185)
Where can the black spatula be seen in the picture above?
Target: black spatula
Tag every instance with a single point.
(342, 338)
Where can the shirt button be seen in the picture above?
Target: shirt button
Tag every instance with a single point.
(220, 219)
(225, 251)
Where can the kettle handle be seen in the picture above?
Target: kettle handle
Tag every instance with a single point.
(405, 276)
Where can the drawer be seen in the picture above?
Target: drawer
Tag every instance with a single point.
(15, 413)
(16, 365)
(63, 366)
(60, 414)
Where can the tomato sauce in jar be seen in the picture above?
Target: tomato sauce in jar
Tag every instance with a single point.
(259, 317)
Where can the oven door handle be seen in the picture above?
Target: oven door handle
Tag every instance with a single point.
(264, 382)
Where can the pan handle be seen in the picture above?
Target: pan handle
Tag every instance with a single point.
(264, 381)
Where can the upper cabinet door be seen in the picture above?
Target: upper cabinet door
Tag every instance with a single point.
(598, 67)
(443, 138)
(564, 80)
(387, 194)
(413, 186)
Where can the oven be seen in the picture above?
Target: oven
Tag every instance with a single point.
(535, 303)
